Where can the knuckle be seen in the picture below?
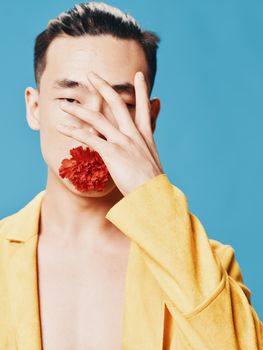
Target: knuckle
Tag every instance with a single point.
(75, 132)
(99, 118)
(109, 150)
(129, 141)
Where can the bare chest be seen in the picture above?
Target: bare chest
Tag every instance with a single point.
(81, 299)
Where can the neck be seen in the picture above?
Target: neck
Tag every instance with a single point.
(66, 215)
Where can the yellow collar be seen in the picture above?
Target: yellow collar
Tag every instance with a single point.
(27, 217)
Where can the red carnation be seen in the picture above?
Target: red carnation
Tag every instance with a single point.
(85, 169)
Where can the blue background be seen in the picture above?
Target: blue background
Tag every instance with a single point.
(209, 131)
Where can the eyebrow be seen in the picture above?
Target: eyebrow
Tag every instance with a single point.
(72, 84)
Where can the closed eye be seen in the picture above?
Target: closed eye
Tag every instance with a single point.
(71, 100)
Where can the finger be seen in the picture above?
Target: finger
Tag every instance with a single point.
(117, 105)
(143, 106)
(143, 113)
(84, 136)
(96, 119)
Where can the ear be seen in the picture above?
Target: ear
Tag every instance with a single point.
(155, 109)
(32, 110)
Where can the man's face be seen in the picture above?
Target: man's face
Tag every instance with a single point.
(70, 60)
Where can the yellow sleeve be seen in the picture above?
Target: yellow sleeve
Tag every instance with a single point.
(206, 295)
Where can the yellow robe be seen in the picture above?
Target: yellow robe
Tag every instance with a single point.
(183, 291)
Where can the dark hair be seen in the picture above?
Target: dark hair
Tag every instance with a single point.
(95, 18)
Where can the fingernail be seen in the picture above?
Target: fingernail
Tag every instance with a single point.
(93, 75)
(140, 75)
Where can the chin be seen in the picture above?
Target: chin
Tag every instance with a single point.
(92, 193)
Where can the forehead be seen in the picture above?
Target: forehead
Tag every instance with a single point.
(115, 60)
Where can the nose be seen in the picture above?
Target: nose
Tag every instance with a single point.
(95, 103)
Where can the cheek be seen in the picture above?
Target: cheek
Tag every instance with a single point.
(49, 118)
(52, 114)
(54, 145)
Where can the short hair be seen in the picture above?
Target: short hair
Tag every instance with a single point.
(95, 18)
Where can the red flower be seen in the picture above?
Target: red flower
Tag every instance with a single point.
(85, 169)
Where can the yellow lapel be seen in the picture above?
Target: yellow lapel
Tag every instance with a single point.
(21, 267)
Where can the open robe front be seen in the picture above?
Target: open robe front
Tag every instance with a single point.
(183, 291)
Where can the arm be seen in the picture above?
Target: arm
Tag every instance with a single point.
(205, 295)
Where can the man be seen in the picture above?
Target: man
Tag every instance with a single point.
(108, 255)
